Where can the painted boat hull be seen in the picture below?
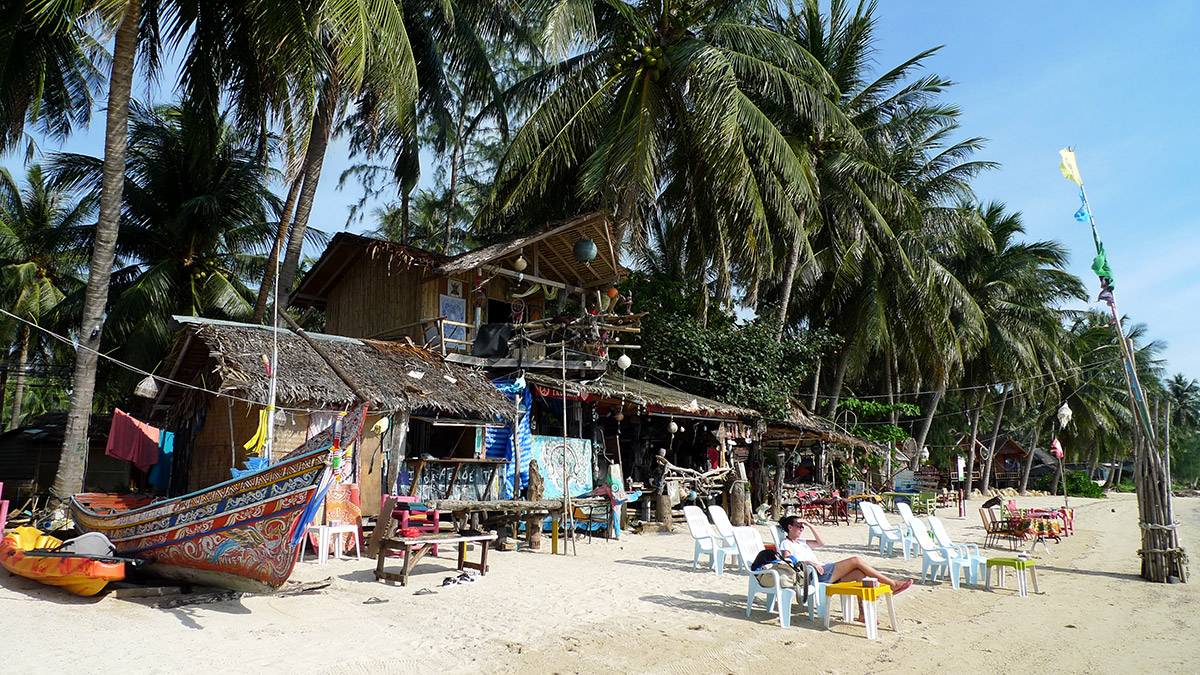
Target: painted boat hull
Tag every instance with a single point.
(237, 534)
(80, 575)
(243, 534)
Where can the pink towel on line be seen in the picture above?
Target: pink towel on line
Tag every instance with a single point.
(133, 441)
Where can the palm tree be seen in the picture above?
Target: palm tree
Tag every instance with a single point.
(1184, 395)
(1018, 287)
(50, 73)
(197, 210)
(40, 261)
(666, 105)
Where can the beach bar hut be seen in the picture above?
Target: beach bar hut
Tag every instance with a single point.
(403, 383)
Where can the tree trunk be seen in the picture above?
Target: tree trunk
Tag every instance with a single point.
(816, 389)
(1058, 475)
(281, 237)
(927, 422)
(839, 375)
(73, 462)
(789, 278)
(974, 437)
(1037, 428)
(19, 386)
(405, 209)
(314, 158)
(987, 472)
(462, 115)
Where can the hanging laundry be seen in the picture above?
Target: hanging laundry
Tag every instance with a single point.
(133, 441)
(160, 475)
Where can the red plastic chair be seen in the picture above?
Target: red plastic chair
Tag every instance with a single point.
(426, 522)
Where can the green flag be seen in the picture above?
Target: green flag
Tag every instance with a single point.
(1101, 268)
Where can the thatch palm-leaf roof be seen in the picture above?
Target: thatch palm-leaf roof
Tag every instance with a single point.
(229, 358)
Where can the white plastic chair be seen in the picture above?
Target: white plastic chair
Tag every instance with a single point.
(706, 540)
(325, 535)
(878, 527)
(934, 559)
(776, 535)
(724, 529)
(779, 599)
(976, 563)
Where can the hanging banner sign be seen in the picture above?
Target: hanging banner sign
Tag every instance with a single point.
(548, 392)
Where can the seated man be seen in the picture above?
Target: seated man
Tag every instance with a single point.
(794, 549)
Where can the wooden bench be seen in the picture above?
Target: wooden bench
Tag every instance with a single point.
(414, 548)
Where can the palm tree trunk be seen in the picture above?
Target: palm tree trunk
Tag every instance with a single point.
(73, 463)
(974, 436)
(405, 211)
(281, 237)
(19, 387)
(987, 472)
(462, 115)
(1037, 428)
(816, 388)
(927, 422)
(314, 158)
(839, 375)
(789, 278)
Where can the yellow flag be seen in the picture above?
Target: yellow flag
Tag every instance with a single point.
(1069, 168)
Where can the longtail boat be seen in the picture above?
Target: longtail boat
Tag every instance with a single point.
(242, 534)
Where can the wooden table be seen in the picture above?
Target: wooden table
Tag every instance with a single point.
(414, 548)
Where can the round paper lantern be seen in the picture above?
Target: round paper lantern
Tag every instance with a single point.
(624, 362)
(672, 427)
(585, 250)
(613, 292)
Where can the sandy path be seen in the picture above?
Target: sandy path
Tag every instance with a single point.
(635, 606)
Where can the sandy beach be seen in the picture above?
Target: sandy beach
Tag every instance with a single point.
(636, 606)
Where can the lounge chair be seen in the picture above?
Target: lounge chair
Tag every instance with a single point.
(889, 534)
(997, 528)
(976, 562)
(779, 600)
(706, 540)
(934, 559)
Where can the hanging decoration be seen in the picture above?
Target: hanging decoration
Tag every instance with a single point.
(585, 250)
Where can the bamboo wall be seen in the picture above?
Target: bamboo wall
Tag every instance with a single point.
(371, 298)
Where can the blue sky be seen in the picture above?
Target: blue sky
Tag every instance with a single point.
(1113, 79)
(1116, 81)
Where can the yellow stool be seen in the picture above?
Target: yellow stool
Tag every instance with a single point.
(1018, 565)
(868, 595)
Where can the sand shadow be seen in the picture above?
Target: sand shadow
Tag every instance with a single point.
(663, 563)
(1119, 576)
(725, 604)
(39, 592)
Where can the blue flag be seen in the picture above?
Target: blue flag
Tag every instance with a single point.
(1083, 215)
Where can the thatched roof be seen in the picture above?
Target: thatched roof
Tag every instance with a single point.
(554, 248)
(803, 424)
(652, 396)
(228, 357)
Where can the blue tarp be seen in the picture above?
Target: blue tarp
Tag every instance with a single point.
(498, 442)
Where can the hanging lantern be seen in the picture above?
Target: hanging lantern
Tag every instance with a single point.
(520, 263)
(585, 250)
(672, 427)
(623, 362)
(620, 414)
(612, 292)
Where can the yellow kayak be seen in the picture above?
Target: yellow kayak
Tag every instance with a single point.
(28, 552)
